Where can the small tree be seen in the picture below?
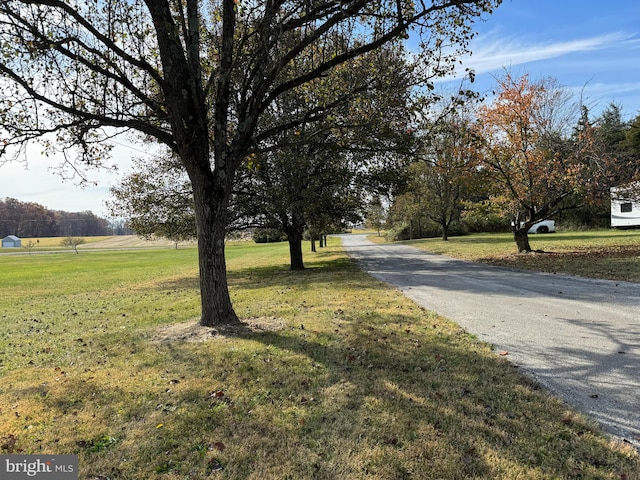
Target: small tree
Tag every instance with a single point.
(526, 148)
(30, 245)
(447, 163)
(156, 202)
(407, 217)
(376, 215)
(72, 242)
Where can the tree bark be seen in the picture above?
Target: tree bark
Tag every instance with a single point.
(214, 292)
(295, 250)
(521, 236)
(189, 117)
(211, 212)
(445, 229)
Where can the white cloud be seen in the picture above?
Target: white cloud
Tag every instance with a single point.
(491, 52)
(598, 95)
(599, 67)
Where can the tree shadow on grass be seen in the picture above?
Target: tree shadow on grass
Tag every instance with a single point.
(365, 395)
(330, 269)
(410, 398)
(356, 392)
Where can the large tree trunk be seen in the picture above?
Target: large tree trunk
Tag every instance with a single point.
(445, 229)
(214, 291)
(521, 236)
(211, 213)
(295, 250)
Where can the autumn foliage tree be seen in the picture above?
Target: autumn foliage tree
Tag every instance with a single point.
(197, 77)
(527, 149)
(29, 219)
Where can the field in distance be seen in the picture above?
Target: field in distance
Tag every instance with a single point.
(133, 241)
(100, 242)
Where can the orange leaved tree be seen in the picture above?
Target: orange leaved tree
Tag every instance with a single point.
(529, 150)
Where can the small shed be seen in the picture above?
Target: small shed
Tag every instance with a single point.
(11, 241)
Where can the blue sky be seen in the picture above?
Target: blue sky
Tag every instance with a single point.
(587, 45)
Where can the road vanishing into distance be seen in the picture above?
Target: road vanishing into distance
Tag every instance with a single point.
(578, 337)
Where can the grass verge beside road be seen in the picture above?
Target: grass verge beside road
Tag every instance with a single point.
(332, 376)
(612, 254)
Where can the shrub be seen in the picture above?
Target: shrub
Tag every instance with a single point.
(268, 235)
(484, 217)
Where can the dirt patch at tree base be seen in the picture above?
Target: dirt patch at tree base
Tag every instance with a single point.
(192, 331)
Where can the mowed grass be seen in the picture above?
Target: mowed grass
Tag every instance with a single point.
(333, 376)
(612, 254)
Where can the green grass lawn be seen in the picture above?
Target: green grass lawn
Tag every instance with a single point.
(332, 376)
(613, 254)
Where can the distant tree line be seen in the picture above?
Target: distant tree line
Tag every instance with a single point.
(534, 152)
(29, 219)
(447, 165)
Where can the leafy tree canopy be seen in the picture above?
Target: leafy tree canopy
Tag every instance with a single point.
(197, 77)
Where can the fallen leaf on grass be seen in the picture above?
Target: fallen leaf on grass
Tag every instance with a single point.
(215, 466)
(8, 443)
(217, 446)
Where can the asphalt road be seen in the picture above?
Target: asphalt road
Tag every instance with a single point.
(578, 337)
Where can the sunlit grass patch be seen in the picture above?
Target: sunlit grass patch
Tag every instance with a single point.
(334, 376)
(613, 254)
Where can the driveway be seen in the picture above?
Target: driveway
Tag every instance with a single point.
(578, 337)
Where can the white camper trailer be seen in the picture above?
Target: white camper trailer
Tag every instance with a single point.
(625, 207)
